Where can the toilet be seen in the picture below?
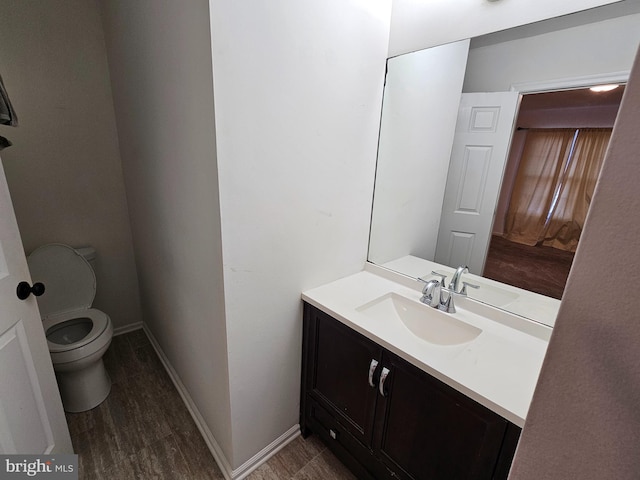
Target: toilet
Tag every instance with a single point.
(77, 335)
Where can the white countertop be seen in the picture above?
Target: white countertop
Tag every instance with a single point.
(498, 369)
(533, 306)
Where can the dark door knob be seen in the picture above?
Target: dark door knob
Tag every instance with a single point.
(24, 290)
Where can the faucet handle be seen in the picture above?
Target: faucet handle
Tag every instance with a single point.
(467, 284)
(428, 283)
(431, 293)
(442, 277)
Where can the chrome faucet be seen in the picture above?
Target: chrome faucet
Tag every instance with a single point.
(437, 295)
(456, 280)
(434, 295)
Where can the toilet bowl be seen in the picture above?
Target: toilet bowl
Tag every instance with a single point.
(77, 335)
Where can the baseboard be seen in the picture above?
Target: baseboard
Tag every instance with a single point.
(266, 453)
(127, 328)
(229, 473)
(213, 446)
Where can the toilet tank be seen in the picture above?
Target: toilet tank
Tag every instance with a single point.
(89, 254)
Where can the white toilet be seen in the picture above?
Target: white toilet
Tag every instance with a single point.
(77, 334)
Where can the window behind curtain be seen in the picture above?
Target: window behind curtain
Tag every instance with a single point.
(554, 185)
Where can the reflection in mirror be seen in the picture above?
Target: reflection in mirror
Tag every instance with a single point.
(556, 154)
(455, 178)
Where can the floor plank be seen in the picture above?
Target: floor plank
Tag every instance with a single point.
(144, 431)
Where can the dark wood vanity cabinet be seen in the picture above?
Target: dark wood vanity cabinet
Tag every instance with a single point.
(412, 426)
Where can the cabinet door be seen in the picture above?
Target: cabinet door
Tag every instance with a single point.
(427, 430)
(339, 361)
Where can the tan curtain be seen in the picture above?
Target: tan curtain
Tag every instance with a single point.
(544, 154)
(567, 216)
(554, 185)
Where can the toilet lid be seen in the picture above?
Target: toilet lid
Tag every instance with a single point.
(69, 281)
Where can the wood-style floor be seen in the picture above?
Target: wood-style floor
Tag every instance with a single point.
(144, 431)
(539, 269)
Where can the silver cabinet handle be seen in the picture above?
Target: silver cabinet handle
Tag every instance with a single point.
(383, 377)
(372, 369)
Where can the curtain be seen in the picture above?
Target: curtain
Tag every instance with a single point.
(544, 154)
(554, 186)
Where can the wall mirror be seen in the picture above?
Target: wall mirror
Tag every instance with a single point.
(458, 134)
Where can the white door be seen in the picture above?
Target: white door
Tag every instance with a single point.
(478, 157)
(32, 420)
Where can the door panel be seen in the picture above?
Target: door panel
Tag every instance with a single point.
(340, 380)
(32, 420)
(425, 430)
(475, 168)
(30, 429)
(478, 157)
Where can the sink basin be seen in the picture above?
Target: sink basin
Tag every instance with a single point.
(426, 323)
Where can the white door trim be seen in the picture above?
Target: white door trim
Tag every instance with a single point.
(570, 82)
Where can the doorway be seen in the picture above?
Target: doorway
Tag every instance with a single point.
(542, 265)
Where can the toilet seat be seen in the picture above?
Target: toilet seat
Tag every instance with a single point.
(99, 321)
(85, 349)
(70, 287)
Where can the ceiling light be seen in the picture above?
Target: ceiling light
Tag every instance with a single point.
(604, 88)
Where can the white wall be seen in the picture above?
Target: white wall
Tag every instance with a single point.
(417, 24)
(596, 48)
(160, 63)
(298, 89)
(64, 170)
(419, 114)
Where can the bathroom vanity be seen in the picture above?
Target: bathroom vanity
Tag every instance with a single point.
(398, 389)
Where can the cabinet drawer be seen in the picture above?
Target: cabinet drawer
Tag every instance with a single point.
(347, 448)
